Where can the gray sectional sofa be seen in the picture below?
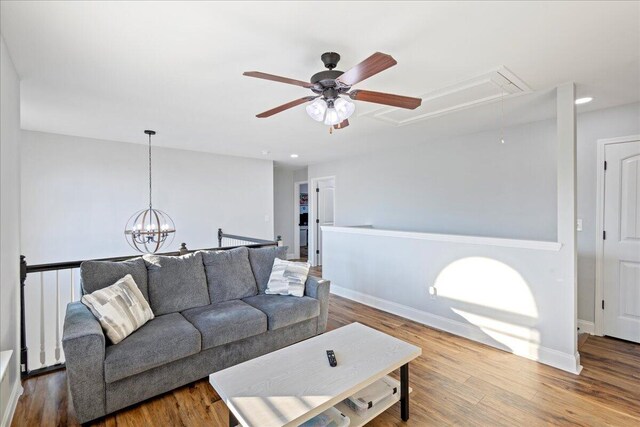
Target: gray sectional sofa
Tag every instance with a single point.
(211, 312)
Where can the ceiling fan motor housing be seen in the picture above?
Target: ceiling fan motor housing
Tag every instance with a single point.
(330, 59)
(325, 81)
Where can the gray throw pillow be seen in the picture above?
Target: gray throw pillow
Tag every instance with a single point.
(176, 283)
(261, 260)
(96, 275)
(229, 274)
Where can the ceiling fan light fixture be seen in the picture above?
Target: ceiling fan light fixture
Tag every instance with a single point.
(332, 117)
(317, 109)
(330, 85)
(344, 108)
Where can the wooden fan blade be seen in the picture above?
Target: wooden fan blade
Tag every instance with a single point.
(343, 124)
(259, 75)
(386, 99)
(374, 64)
(286, 106)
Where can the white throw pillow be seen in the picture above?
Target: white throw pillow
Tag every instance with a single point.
(287, 278)
(120, 308)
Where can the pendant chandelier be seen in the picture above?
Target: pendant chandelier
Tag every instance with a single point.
(149, 229)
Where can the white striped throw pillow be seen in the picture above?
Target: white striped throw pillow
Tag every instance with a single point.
(120, 308)
(287, 278)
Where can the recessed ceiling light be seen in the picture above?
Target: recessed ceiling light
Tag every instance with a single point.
(265, 152)
(584, 100)
(294, 156)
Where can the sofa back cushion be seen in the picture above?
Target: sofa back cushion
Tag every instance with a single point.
(229, 274)
(261, 260)
(176, 283)
(96, 275)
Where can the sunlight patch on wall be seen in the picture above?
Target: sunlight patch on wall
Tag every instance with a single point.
(486, 283)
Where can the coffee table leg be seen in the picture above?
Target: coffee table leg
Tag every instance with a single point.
(233, 422)
(404, 392)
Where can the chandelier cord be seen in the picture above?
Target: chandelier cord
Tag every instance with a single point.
(149, 171)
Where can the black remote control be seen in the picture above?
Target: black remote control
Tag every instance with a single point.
(332, 358)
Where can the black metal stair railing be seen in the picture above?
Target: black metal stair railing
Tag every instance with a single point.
(71, 294)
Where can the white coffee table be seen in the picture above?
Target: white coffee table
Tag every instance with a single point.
(294, 384)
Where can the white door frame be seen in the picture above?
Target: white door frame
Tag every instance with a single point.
(599, 295)
(296, 218)
(313, 184)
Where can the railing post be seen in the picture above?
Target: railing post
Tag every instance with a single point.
(183, 249)
(219, 237)
(23, 330)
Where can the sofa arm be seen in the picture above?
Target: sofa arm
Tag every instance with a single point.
(318, 288)
(83, 343)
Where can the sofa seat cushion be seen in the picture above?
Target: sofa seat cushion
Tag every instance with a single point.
(261, 260)
(285, 310)
(229, 274)
(161, 340)
(226, 322)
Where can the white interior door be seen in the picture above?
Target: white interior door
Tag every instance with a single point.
(325, 194)
(622, 241)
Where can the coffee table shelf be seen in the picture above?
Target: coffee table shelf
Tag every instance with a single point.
(358, 420)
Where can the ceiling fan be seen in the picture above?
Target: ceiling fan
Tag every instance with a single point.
(332, 86)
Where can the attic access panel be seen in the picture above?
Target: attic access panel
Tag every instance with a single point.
(479, 90)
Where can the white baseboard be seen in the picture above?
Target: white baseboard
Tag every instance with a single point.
(585, 326)
(548, 356)
(16, 392)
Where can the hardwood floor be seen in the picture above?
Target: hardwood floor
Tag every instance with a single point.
(455, 382)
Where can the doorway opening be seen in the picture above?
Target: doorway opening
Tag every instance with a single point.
(301, 220)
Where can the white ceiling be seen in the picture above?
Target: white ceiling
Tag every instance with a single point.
(108, 70)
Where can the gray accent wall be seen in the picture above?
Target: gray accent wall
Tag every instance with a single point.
(300, 175)
(473, 185)
(283, 202)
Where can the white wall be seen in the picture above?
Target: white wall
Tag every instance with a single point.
(10, 387)
(470, 185)
(283, 206)
(608, 123)
(78, 193)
